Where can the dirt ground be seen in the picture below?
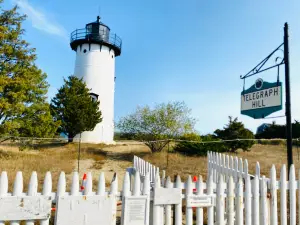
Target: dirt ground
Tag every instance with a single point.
(118, 159)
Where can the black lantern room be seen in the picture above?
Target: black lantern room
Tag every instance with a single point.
(97, 33)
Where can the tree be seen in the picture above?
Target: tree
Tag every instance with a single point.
(235, 130)
(74, 107)
(162, 122)
(279, 131)
(23, 87)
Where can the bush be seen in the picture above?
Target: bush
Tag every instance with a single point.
(191, 137)
(190, 148)
(200, 148)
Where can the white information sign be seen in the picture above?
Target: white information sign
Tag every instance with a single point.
(25, 208)
(136, 210)
(167, 196)
(199, 201)
(85, 210)
(261, 99)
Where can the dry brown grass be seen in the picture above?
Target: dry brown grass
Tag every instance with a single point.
(266, 155)
(54, 159)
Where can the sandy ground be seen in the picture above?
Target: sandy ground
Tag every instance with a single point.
(118, 159)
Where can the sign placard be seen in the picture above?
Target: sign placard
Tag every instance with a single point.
(136, 210)
(78, 210)
(261, 99)
(25, 208)
(200, 201)
(167, 196)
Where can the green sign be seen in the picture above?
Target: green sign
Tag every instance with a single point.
(261, 99)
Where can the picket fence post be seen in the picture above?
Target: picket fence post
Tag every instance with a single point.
(125, 193)
(239, 202)
(255, 201)
(188, 192)
(178, 207)
(168, 214)
(199, 211)
(248, 196)
(283, 202)
(236, 169)
(292, 194)
(113, 193)
(230, 201)
(208, 163)
(32, 191)
(263, 201)
(146, 191)
(220, 201)
(210, 210)
(18, 189)
(231, 164)
(75, 184)
(257, 169)
(157, 212)
(246, 170)
(273, 191)
(227, 168)
(241, 169)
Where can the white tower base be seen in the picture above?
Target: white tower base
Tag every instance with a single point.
(96, 65)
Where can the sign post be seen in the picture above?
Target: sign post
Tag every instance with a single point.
(263, 98)
(289, 141)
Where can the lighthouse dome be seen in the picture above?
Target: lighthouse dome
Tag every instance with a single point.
(98, 30)
(97, 33)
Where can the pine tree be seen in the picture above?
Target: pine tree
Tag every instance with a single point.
(23, 87)
(74, 107)
(235, 130)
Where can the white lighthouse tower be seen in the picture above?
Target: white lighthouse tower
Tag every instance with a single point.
(96, 48)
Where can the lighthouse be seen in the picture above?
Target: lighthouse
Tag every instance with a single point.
(96, 49)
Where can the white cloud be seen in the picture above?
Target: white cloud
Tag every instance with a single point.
(39, 19)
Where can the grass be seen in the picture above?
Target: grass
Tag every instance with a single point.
(54, 159)
(266, 155)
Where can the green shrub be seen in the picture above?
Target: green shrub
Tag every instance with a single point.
(200, 148)
(191, 137)
(189, 148)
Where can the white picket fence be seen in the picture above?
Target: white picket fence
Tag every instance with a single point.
(261, 192)
(230, 196)
(74, 207)
(144, 167)
(229, 166)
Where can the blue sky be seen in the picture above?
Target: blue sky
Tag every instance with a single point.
(192, 51)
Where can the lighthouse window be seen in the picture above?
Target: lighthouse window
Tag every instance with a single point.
(112, 56)
(84, 51)
(94, 97)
